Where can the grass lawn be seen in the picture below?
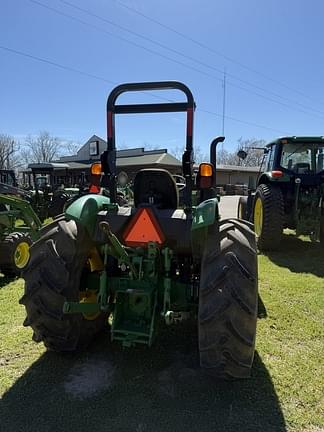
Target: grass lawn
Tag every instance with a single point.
(162, 388)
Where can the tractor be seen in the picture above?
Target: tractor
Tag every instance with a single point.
(289, 194)
(151, 265)
(8, 177)
(50, 185)
(19, 226)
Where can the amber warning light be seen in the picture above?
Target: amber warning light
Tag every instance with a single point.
(96, 168)
(205, 176)
(143, 228)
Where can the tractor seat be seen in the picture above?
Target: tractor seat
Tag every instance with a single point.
(157, 188)
(301, 167)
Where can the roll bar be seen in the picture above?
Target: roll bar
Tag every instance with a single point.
(108, 158)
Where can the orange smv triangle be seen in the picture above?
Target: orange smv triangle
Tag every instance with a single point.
(143, 228)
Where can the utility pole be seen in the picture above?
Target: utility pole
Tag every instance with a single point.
(224, 99)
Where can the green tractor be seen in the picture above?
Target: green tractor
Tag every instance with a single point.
(148, 266)
(8, 177)
(19, 226)
(289, 194)
(50, 185)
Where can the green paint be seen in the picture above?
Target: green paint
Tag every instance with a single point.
(85, 210)
(205, 214)
(18, 209)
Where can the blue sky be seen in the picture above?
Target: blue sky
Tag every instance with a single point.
(281, 40)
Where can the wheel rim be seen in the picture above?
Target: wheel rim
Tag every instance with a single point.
(21, 255)
(258, 216)
(89, 296)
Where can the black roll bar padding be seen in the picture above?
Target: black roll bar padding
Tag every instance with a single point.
(213, 146)
(108, 158)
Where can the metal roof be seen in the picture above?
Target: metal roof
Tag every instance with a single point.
(48, 165)
(149, 159)
(237, 168)
(314, 139)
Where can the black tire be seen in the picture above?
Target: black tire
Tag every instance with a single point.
(242, 208)
(9, 265)
(228, 300)
(322, 231)
(57, 264)
(270, 235)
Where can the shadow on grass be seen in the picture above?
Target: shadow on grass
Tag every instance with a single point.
(299, 256)
(157, 389)
(4, 280)
(262, 311)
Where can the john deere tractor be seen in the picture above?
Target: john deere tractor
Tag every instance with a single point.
(8, 177)
(290, 193)
(19, 226)
(150, 265)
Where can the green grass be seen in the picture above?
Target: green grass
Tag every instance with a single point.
(162, 388)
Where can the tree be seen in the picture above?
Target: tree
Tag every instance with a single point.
(199, 155)
(177, 152)
(43, 148)
(9, 148)
(254, 156)
(72, 147)
(225, 157)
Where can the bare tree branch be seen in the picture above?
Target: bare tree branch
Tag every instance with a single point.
(254, 157)
(43, 148)
(9, 147)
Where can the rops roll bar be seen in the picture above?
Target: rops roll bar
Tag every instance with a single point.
(108, 158)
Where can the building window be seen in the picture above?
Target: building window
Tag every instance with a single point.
(94, 148)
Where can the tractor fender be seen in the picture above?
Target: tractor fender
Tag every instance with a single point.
(85, 209)
(267, 177)
(205, 214)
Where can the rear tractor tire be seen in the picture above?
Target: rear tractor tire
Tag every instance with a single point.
(54, 275)
(268, 216)
(321, 238)
(14, 254)
(228, 300)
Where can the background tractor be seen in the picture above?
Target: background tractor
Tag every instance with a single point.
(289, 193)
(51, 186)
(8, 177)
(150, 265)
(19, 226)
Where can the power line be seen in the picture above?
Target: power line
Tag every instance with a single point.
(167, 57)
(244, 122)
(177, 52)
(99, 78)
(224, 100)
(58, 65)
(208, 48)
(90, 13)
(122, 39)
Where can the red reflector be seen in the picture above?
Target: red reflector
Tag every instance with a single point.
(277, 173)
(143, 228)
(94, 189)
